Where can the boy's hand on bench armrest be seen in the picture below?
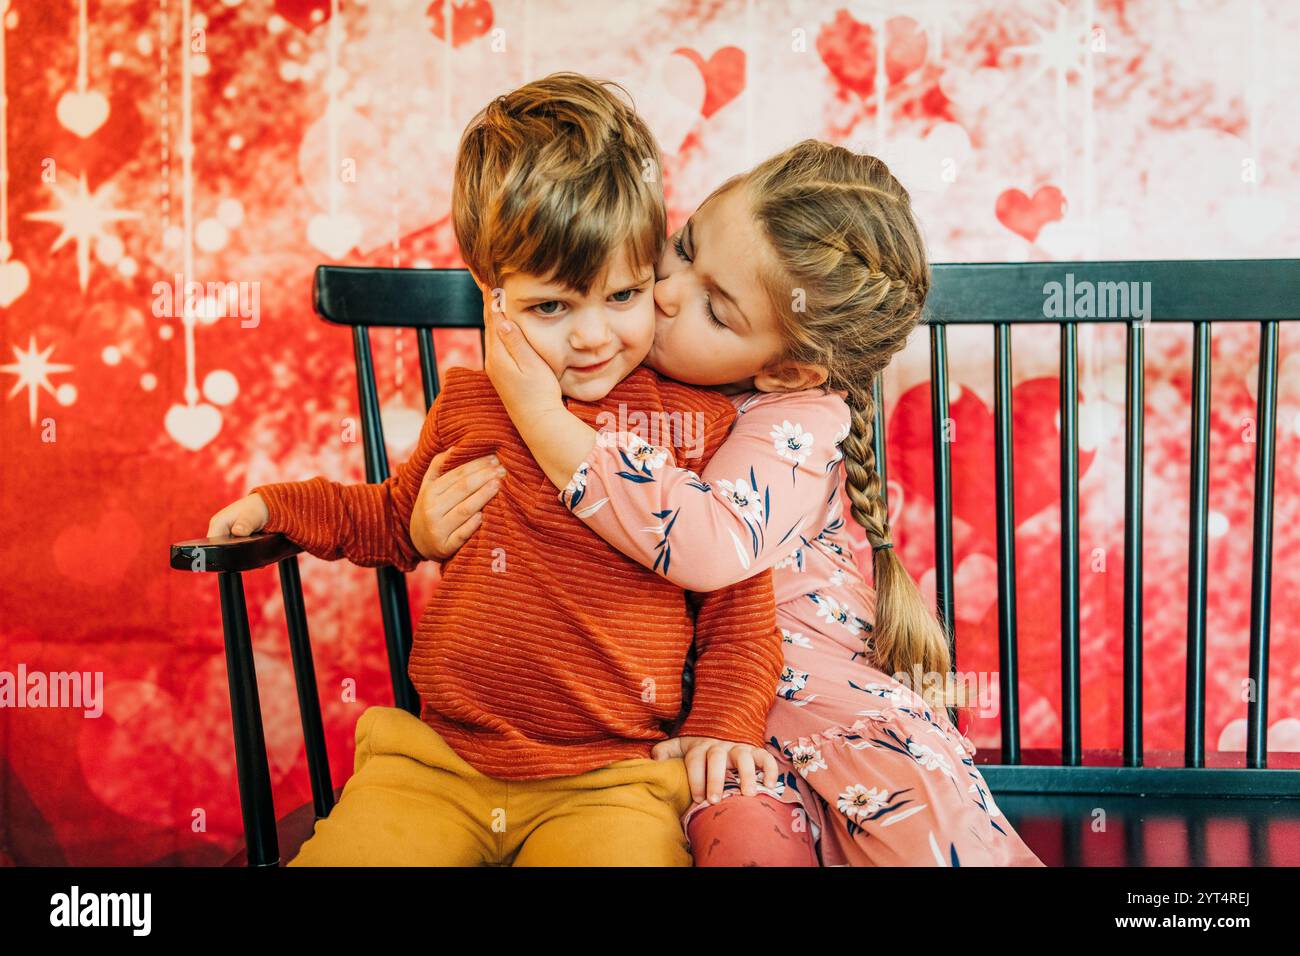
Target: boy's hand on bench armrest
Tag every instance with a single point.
(246, 516)
(708, 759)
(449, 508)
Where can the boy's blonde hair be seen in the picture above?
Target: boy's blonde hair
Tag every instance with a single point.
(841, 229)
(552, 179)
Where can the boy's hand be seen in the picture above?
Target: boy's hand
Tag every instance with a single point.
(243, 517)
(449, 508)
(708, 758)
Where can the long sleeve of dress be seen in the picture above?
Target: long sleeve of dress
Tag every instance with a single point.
(369, 524)
(751, 507)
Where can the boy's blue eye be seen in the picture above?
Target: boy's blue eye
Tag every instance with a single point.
(625, 292)
(540, 308)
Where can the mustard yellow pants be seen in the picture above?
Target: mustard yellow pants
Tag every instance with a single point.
(412, 801)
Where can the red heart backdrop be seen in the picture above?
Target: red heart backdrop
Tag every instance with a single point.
(324, 132)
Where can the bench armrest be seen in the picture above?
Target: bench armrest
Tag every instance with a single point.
(230, 553)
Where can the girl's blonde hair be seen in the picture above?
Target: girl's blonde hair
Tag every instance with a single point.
(848, 281)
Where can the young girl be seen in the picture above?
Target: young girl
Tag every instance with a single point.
(790, 289)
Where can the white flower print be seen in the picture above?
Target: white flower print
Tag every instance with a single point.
(929, 758)
(837, 577)
(798, 640)
(578, 482)
(860, 802)
(743, 498)
(792, 442)
(792, 681)
(884, 691)
(837, 441)
(832, 610)
(937, 731)
(872, 714)
(982, 795)
(794, 560)
(646, 455)
(806, 759)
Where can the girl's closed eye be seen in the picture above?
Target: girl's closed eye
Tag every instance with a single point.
(680, 248)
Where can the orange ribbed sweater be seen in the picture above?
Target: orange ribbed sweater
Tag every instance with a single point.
(544, 651)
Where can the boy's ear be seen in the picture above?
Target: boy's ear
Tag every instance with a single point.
(789, 377)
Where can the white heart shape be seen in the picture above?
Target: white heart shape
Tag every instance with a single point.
(930, 163)
(1233, 735)
(973, 90)
(83, 113)
(402, 427)
(669, 97)
(894, 494)
(334, 235)
(1063, 240)
(13, 282)
(423, 145)
(192, 426)
(1254, 219)
(976, 579)
(1285, 734)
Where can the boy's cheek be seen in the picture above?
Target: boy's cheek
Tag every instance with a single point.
(638, 331)
(542, 343)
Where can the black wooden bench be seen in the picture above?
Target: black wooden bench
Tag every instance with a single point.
(1190, 807)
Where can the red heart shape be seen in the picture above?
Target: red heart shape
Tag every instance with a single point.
(469, 21)
(848, 48)
(724, 76)
(905, 47)
(155, 756)
(1026, 217)
(300, 13)
(80, 552)
(1036, 463)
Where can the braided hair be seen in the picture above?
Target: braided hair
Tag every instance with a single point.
(848, 278)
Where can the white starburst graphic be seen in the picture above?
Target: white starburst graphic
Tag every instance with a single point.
(33, 369)
(1063, 49)
(83, 216)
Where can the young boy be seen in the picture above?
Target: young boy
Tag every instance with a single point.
(548, 664)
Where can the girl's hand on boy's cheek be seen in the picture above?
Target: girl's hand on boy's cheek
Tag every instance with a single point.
(526, 384)
(707, 760)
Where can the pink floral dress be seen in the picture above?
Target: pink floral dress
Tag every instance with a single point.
(883, 779)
